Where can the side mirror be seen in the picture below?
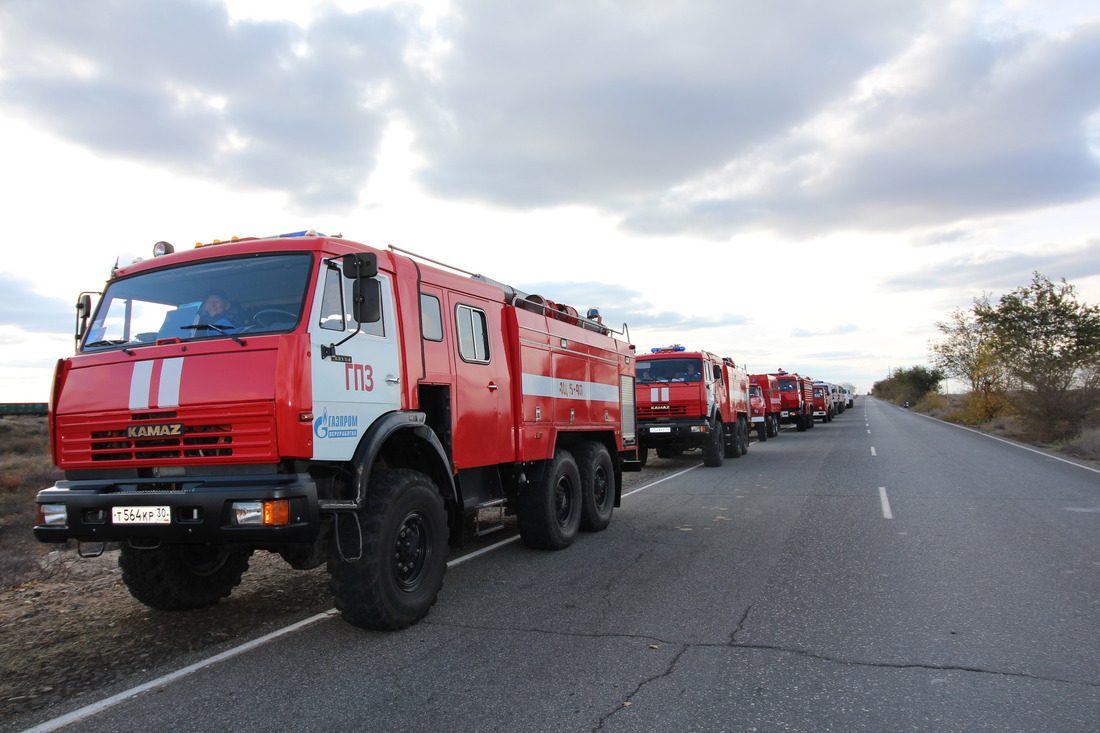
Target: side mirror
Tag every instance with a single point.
(83, 313)
(360, 265)
(366, 294)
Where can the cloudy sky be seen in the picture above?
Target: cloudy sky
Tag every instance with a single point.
(798, 184)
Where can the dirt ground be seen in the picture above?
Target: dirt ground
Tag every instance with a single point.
(79, 630)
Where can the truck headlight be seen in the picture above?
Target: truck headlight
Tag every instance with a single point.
(261, 513)
(52, 515)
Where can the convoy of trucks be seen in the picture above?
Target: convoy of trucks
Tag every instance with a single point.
(363, 409)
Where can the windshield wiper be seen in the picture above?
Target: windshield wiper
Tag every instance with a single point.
(212, 327)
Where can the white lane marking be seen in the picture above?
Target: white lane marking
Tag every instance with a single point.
(100, 706)
(873, 451)
(886, 513)
(97, 707)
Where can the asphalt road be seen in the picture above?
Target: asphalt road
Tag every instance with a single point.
(881, 572)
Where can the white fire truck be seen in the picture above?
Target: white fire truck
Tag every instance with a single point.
(333, 403)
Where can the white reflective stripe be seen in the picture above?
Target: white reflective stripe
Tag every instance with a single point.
(535, 385)
(140, 381)
(168, 394)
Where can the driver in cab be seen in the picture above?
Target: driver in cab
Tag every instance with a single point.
(216, 310)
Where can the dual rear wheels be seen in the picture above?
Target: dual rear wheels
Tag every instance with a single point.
(577, 492)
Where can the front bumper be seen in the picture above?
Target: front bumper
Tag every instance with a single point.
(199, 509)
(685, 435)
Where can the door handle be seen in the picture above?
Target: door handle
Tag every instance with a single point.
(493, 386)
(393, 380)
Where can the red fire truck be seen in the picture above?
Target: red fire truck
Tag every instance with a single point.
(797, 394)
(823, 407)
(766, 404)
(688, 400)
(333, 403)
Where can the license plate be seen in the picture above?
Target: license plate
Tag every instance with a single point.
(660, 430)
(141, 515)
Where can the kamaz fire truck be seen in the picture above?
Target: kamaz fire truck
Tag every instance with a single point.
(692, 399)
(823, 407)
(766, 405)
(333, 403)
(797, 395)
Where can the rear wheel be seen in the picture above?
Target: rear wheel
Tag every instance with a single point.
(773, 426)
(549, 510)
(597, 485)
(177, 577)
(397, 578)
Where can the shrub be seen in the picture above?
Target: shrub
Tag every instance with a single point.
(1086, 445)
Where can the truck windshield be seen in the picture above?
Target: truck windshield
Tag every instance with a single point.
(788, 385)
(224, 298)
(670, 370)
(754, 391)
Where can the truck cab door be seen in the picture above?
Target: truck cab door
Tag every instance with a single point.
(358, 383)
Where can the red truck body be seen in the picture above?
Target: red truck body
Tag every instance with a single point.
(796, 393)
(692, 399)
(359, 408)
(766, 405)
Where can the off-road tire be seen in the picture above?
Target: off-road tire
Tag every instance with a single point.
(397, 578)
(714, 450)
(181, 577)
(743, 432)
(549, 510)
(597, 485)
(762, 431)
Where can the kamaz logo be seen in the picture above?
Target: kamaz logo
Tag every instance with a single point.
(154, 431)
(659, 407)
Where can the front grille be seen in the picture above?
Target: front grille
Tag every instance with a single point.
(652, 412)
(234, 434)
(197, 441)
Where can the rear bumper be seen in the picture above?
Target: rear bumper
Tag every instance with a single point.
(199, 509)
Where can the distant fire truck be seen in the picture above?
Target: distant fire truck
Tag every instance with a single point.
(692, 399)
(333, 403)
(766, 404)
(797, 395)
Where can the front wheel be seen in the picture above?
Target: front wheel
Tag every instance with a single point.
(597, 485)
(549, 510)
(397, 577)
(178, 577)
(762, 431)
(714, 450)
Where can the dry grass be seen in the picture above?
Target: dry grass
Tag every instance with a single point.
(1086, 445)
(25, 467)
